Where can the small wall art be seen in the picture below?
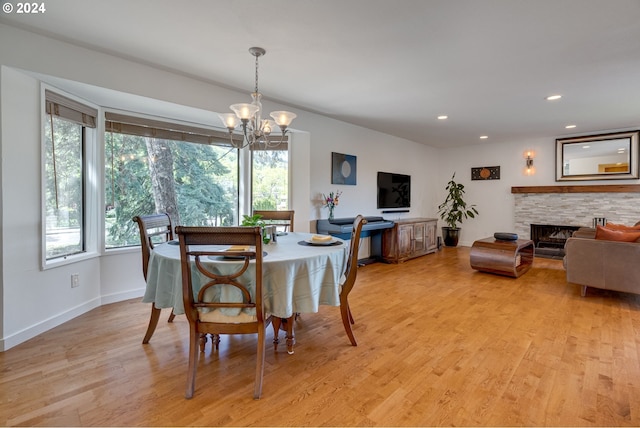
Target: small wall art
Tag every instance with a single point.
(485, 173)
(343, 169)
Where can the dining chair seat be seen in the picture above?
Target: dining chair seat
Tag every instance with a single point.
(217, 315)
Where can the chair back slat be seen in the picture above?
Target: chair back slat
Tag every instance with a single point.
(198, 236)
(220, 279)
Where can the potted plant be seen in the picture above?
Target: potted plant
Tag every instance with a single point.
(252, 220)
(453, 211)
(256, 220)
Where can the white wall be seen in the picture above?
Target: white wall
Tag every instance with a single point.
(34, 300)
(28, 293)
(493, 198)
(374, 152)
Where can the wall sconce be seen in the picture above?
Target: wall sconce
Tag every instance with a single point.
(529, 169)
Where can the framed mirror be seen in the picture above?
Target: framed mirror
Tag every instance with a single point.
(598, 157)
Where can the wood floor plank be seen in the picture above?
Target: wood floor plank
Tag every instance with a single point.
(439, 344)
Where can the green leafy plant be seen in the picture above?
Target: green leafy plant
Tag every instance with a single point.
(454, 209)
(252, 220)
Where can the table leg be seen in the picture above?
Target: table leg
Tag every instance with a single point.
(215, 341)
(290, 339)
(276, 322)
(203, 341)
(285, 324)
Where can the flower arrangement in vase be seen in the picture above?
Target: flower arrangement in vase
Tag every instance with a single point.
(331, 201)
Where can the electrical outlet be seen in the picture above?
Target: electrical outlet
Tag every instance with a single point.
(75, 280)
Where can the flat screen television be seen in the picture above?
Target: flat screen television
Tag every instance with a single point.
(394, 190)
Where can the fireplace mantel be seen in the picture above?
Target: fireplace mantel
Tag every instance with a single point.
(604, 188)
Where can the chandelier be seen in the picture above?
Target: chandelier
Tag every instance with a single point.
(255, 129)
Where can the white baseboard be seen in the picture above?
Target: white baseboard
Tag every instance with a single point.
(119, 297)
(43, 326)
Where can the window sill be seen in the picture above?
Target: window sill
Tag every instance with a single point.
(63, 261)
(121, 250)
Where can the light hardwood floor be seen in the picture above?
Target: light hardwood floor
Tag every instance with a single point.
(439, 344)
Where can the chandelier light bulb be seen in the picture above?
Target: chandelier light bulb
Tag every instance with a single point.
(283, 118)
(230, 120)
(244, 111)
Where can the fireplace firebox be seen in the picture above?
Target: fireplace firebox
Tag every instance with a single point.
(549, 239)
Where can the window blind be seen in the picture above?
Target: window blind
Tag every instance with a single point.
(66, 108)
(143, 127)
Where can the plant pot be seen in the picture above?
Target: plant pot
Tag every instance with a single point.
(450, 236)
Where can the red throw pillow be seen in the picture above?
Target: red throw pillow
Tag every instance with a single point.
(614, 226)
(616, 235)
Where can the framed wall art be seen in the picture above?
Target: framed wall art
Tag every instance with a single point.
(343, 169)
(485, 173)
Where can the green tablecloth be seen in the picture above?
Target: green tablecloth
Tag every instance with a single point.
(296, 278)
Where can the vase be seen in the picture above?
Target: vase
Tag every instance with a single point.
(450, 236)
(331, 213)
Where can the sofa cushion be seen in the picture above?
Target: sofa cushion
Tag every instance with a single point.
(615, 226)
(616, 235)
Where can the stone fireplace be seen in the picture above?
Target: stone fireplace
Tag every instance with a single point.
(549, 239)
(573, 206)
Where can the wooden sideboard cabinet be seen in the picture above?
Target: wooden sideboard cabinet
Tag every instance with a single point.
(409, 238)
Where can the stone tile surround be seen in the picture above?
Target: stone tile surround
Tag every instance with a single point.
(573, 209)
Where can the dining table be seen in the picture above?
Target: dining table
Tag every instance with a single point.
(300, 273)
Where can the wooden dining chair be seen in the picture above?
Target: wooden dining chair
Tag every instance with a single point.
(216, 315)
(278, 216)
(350, 277)
(154, 229)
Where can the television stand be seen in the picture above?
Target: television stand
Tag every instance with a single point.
(409, 238)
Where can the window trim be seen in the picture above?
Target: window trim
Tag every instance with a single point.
(89, 178)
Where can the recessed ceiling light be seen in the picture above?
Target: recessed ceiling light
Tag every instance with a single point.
(443, 117)
(570, 126)
(553, 97)
(484, 137)
(586, 147)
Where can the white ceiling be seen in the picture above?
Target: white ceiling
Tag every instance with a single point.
(390, 65)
